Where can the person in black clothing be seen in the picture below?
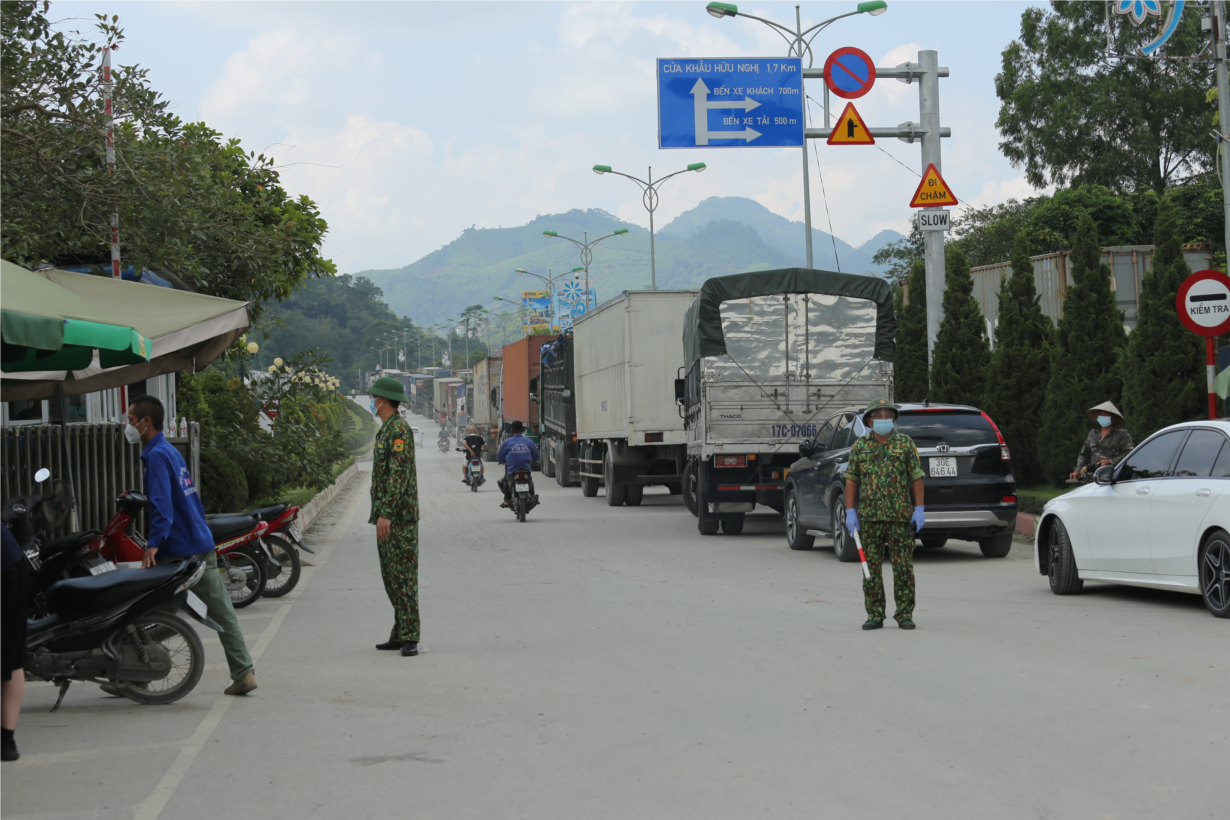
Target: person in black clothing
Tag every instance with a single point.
(472, 445)
(12, 642)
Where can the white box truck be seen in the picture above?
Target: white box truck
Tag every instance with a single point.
(629, 429)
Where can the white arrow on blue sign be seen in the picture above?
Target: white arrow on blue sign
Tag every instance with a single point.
(730, 103)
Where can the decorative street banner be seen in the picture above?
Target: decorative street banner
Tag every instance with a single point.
(538, 311)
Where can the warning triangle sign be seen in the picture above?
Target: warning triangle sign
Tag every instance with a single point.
(850, 129)
(933, 191)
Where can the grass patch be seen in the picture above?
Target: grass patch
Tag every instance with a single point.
(1031, 500)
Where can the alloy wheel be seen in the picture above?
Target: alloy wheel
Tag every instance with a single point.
(1215, 572)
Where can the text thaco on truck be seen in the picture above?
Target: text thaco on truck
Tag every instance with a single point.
(519, 377)
(557, 408)
(630, 434)
(768, 357)
(486, 406)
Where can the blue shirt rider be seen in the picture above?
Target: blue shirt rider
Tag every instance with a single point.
(516, 453)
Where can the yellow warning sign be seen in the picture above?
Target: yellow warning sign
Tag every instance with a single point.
(850, 129)
(933, 191)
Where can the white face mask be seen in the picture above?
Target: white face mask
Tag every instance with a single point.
(132, 434)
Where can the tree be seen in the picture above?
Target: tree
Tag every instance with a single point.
(1053, 224)
(1164, 368)
(959, 365)
(910, 362)
(1073, 113)
(1084, 368)
(898, 257)
(986, 235)
(1020, 365)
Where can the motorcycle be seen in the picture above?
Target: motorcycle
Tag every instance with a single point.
(443, 442)
(474, 472)
(119, 628)
(521, 500)
(283, 540)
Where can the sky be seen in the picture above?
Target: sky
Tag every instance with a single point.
(408, 122)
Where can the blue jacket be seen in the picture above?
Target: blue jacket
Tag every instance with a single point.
(176, 514)
(518, 452)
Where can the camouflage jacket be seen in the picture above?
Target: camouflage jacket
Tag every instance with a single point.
(1097, 449)
(884, 474)
(395, 486)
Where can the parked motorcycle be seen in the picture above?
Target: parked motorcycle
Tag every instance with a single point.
(521, 499)
(474, 472)
(118, 628)
(283, 540)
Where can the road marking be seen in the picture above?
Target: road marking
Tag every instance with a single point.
(151, 808)
(48, 758)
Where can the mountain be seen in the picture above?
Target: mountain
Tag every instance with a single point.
(720, 235)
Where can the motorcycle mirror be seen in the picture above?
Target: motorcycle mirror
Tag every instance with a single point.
(42, 475)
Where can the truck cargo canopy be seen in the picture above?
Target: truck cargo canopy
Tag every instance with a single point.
(816, 323)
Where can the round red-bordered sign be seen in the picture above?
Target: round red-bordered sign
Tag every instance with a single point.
(849, 72)
(1203, 303)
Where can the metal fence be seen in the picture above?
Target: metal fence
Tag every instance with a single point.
(101, 461)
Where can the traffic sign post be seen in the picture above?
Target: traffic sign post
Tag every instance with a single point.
(937, 220)
(1203, 303)
(850, 129)
(730, 103)
(849, 73)
(932, 191)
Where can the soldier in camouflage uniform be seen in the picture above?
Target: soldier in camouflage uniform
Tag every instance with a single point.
(395, 512)
(884, 472)
(1107, 443)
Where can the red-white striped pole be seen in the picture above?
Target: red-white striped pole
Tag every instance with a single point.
(108, 86)
(1210, 353)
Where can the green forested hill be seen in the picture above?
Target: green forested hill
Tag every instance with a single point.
(721, 235)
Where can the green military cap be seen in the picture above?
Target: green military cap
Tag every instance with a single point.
(387, 387)
(878, 404)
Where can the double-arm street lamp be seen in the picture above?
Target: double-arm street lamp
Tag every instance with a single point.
(587, 251)
(799, 41)
(649, 197)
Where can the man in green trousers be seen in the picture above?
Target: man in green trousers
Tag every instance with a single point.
(395, 512)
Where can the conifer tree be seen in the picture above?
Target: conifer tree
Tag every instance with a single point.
(1164, 369)
(1020, 365)
(1084, 368)
(910, 361)
(962, 354)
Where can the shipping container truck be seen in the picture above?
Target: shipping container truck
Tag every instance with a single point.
(557, 406)
(422, 395)
(768, 357)
(445, 389)
(519, 379)
(486, 402)
(629, 430)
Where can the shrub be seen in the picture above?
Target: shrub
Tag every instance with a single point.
(222, 486)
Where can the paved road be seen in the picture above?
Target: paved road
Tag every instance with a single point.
(611, 663)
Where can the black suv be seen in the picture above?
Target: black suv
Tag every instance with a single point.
(969, 489)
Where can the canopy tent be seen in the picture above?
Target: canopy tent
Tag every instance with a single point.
(703, 336)
(45, 327)
(181, 331)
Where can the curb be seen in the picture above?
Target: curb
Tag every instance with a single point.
(1026, 524)
(309, 511)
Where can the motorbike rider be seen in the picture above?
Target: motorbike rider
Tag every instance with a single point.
(516, 453)
(1106, 444)
(473, 445)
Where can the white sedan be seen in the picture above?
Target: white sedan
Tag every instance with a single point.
(1159, 519)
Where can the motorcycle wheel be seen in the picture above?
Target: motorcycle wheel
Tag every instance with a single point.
(278, 585)
(173, 635)
(521, 505)
(243, 575)
(473, 482)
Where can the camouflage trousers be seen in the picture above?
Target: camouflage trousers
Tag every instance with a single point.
(897, 539)
(399, 567)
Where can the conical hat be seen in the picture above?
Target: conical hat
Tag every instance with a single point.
(1109, 408)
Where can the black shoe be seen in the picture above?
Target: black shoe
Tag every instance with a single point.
(8, 752)
(905, 624)
(389, 645)
(873, 625)
(409, 648)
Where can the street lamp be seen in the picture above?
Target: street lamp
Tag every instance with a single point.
(800, 46)
(587, 252)
(649, 198)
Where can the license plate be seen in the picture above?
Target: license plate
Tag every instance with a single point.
(197, 605)
(105, 566)
(523, 488)
(294, 531)
(944, 467)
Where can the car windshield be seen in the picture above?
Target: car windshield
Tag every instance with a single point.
(955, 429)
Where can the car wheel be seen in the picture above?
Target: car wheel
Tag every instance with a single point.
(934, 542)
(843, 542)
(796, 537)
(1215, 573)
(996, 547)
(1062, 573)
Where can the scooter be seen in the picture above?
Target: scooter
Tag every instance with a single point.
(521, 499)
(443, 442)
(283, 540)
(118, 628)
(474, 472)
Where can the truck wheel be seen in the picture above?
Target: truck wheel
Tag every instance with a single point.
(688, 487)
(548, 459)
(796, 537)
(633, 493)
(996, 547)
(589, 485)
(843, 542)
(560, 457)
(615, 493)
(733, 526)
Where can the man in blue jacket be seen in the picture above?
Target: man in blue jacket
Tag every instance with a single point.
(177, 532)
(516, 453)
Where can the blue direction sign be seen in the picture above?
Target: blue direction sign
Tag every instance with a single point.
(730, 103)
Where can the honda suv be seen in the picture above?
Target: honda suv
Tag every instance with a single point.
(969, 489)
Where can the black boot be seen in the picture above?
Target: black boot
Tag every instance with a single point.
(8, 746)
(409, 648)
(389, 645)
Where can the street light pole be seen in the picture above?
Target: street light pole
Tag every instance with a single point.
(800, 46)
(1223, 106)
(649, 198)
(587, 252)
